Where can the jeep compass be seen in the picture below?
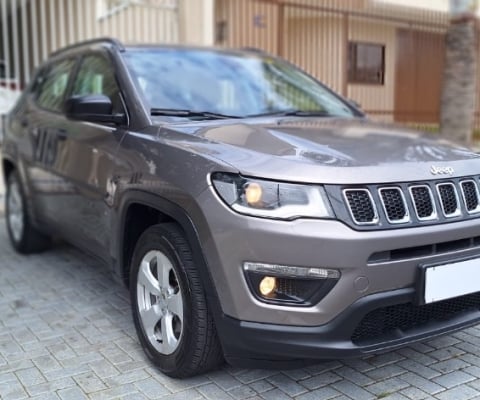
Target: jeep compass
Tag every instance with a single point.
(255, 215)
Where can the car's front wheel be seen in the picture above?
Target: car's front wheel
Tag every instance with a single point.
(24, 237)
(171, 316)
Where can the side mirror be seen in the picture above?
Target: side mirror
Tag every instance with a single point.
(92, 108)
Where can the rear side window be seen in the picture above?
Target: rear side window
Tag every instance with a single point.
(53, 85)
(96, 76)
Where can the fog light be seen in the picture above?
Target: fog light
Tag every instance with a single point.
(286, 284)
(267, 286)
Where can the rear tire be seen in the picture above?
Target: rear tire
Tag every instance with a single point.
(170, 312)
(25, 238)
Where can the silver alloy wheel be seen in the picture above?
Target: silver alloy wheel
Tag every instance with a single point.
(15, 211)
(159, 302)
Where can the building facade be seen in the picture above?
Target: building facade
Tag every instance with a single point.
(384, 56)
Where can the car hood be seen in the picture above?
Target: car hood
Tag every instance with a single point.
(332, 150)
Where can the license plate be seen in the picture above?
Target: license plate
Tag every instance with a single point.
(452, 280)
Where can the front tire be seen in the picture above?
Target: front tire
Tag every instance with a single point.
(25, 238)
(170, 312)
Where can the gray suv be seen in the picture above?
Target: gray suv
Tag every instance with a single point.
(255, 215)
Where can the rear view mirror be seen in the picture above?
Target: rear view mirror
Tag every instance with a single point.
(92, 108)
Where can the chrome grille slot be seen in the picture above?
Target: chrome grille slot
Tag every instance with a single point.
(394, 205)
(361, 206)
(448, 199)
(423, 202)
(471, 197)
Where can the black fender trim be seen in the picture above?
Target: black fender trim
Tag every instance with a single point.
(181, 216)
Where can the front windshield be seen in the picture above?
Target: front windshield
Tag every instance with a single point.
(233, 84)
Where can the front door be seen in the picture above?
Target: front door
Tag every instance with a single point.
(89, 159)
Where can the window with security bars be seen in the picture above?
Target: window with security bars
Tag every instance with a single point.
(366, 63)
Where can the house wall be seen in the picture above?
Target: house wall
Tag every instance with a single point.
(248, 24)
(154, 22)
(379, 99)
(316, 44)
(196, 22)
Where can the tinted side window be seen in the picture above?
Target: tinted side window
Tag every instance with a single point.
(96, 76)
(54, 84)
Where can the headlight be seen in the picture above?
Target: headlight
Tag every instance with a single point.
(270, 199)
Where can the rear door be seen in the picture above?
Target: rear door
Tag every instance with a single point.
(45, 127)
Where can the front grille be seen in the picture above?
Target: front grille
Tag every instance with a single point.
(407, 204)
(448, 199)
(394, 205)
(389, 320)
(361, 206)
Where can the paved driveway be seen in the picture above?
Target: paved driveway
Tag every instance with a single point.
(66, 332)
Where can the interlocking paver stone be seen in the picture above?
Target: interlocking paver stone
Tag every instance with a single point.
(275, 394)
(261, 386)
(354, 391)
(76, 340)
(419, 369)
(224, 380)
(454, 378)
(51, 386)
(30, 376)
(414, 393)
(421, 383)
(463, 392)
(323, 393)
(151, 388)
(321, 380)
(287, 385)
(242, 392)
(72, 394)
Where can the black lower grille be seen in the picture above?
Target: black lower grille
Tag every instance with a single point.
(384, 321)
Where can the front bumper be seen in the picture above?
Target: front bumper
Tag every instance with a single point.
(229, 239)
(248, 344)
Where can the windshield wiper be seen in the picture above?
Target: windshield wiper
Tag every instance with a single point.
(294, 112)
(172, 112)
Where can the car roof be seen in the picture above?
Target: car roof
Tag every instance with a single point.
(145, 47)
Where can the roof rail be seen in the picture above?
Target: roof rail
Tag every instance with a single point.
(114, 42)
(253, 49)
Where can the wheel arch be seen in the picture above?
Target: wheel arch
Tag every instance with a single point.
(169, 212)
(165, 211)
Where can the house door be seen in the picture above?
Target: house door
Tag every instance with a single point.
(418, 76)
